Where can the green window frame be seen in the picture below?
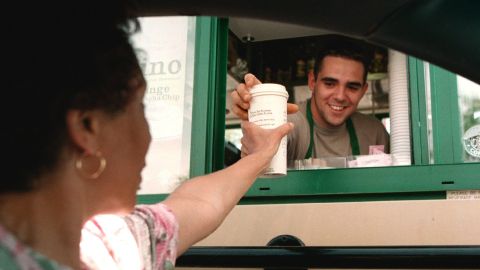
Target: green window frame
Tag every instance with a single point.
(446, 118)
(209, 95)
(419, 181)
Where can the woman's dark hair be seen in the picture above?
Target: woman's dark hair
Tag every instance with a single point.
(71, 55)
(341, 46)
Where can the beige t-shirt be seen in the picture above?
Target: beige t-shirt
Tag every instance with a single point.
(334, 142)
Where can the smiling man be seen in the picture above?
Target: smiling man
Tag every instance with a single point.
(328, 124)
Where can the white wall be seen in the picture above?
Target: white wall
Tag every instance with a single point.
(423, 222)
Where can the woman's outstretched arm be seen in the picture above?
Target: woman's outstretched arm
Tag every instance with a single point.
(202, 203)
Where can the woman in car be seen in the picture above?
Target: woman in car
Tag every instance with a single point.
(76, 144)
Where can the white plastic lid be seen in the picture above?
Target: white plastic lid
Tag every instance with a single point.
(269, 89)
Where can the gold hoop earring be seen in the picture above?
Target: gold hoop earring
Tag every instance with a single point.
(101, 167)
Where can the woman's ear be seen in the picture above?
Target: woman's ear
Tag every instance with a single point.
(83, 129)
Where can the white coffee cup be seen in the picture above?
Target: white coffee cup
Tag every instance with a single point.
(268, 109)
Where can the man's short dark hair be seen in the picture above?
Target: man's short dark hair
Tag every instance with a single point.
(341, 46)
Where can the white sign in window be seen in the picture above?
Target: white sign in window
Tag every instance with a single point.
(165, 48)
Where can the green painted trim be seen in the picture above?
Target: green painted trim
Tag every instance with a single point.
(400, 179)
(220, 94)
(440, 195)
(418, 111)
(199, 154)
(445, 117)
(208, 95)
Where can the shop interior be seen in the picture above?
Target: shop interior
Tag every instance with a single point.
(284, 54)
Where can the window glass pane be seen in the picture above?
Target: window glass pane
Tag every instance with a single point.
(234, 135)
(429, 129)
(469, 103)
(233, 145)
(165, 48)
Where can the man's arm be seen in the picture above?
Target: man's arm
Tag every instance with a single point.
(241, 97)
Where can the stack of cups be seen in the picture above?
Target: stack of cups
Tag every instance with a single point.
(268, 109)
(399, 109)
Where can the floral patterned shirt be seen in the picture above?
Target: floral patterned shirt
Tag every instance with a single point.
(144, 240)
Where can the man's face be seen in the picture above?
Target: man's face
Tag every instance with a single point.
(337, 90)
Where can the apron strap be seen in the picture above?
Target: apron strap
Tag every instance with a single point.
(310, 124)
(353, 137)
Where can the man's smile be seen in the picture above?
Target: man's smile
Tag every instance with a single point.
(337, 107)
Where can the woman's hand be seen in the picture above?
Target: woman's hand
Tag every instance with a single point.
(262, 142)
